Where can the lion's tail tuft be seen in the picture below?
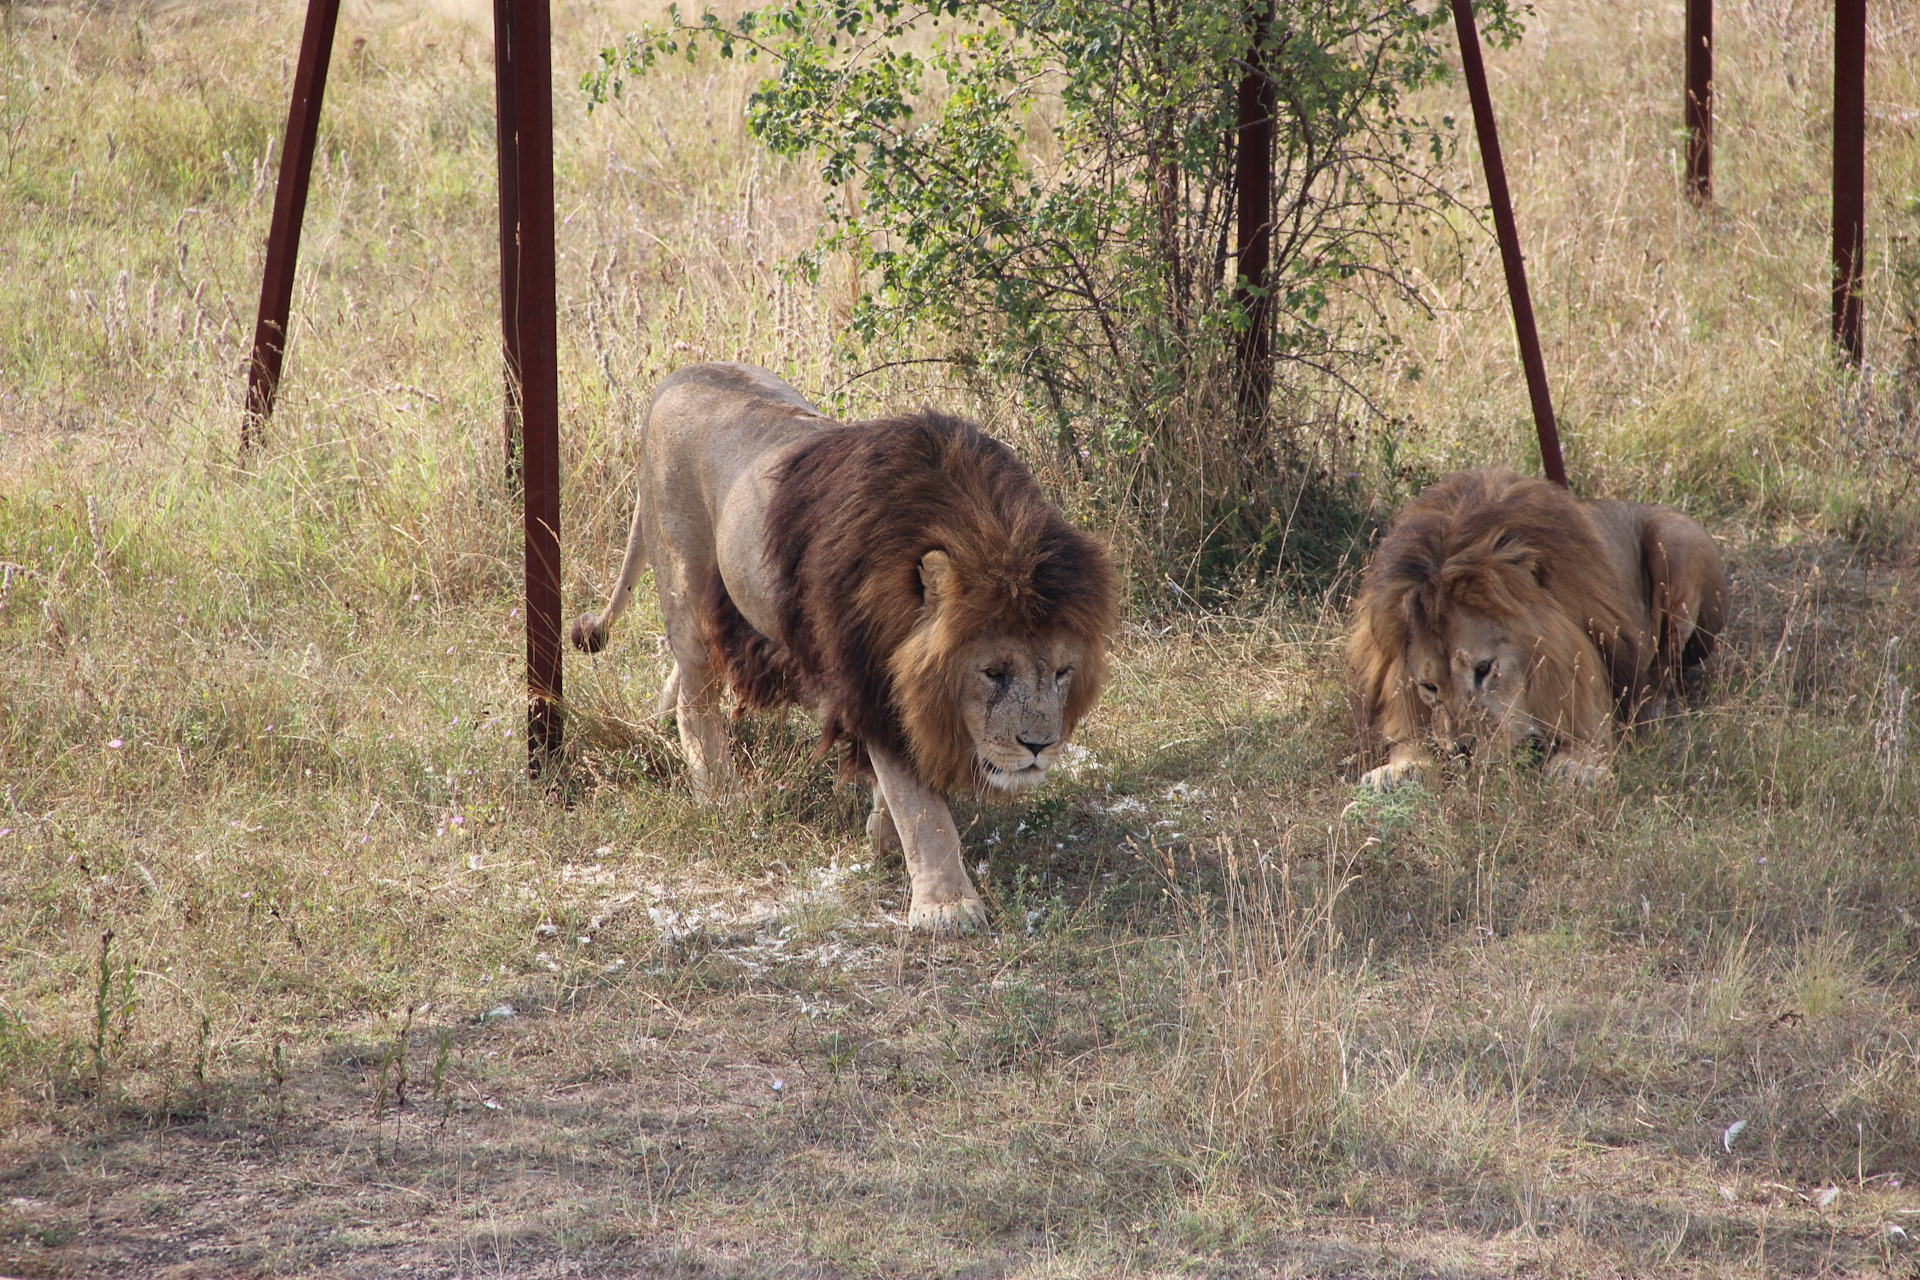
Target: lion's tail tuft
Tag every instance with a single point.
(589, 635)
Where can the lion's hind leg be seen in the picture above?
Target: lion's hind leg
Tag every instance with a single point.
(1688, 597)
(703, 726)
(696, 689)
(881, 832)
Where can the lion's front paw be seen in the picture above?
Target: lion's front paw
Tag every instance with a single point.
(884, 836)
(947, 918)
(1579, 773)
(1396, 773)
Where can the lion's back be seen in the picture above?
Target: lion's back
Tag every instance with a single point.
(725, 414)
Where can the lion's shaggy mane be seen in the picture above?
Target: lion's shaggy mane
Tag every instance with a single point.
(1517, 549)
(853, 512)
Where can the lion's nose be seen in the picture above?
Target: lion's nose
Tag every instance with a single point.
(1037, 745)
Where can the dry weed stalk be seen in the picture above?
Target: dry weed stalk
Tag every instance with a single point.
(1890, 724)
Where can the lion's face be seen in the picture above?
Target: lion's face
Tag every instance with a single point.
(1012, 693)
(1489, 667)
(1474, 680)
(987, 704)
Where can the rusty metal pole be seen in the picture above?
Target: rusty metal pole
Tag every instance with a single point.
(1253, 192)
(1509, 237)
(1849, 172)
(507, 152)
(1699, 105)
(523, 48)
(289, 209)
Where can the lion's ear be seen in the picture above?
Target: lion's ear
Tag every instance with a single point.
(935, 569)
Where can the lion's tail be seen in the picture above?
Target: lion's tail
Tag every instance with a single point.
(589, 631)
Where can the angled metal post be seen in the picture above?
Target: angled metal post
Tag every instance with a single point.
(1849, 172)
(1509, 237)
(523, 50)
(289, 209)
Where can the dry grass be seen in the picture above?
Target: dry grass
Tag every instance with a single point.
(271, 878)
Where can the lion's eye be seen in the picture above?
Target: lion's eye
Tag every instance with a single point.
(995, 674)
(1481, 672)
(1063, 673)
(1430, 688)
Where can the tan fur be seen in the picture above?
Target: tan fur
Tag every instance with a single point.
(902, 578)
(1500, 609)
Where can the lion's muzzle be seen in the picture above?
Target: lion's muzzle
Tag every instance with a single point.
(1016, 779)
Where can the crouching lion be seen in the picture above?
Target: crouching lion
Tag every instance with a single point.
(903, 579)
(1500, 609)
